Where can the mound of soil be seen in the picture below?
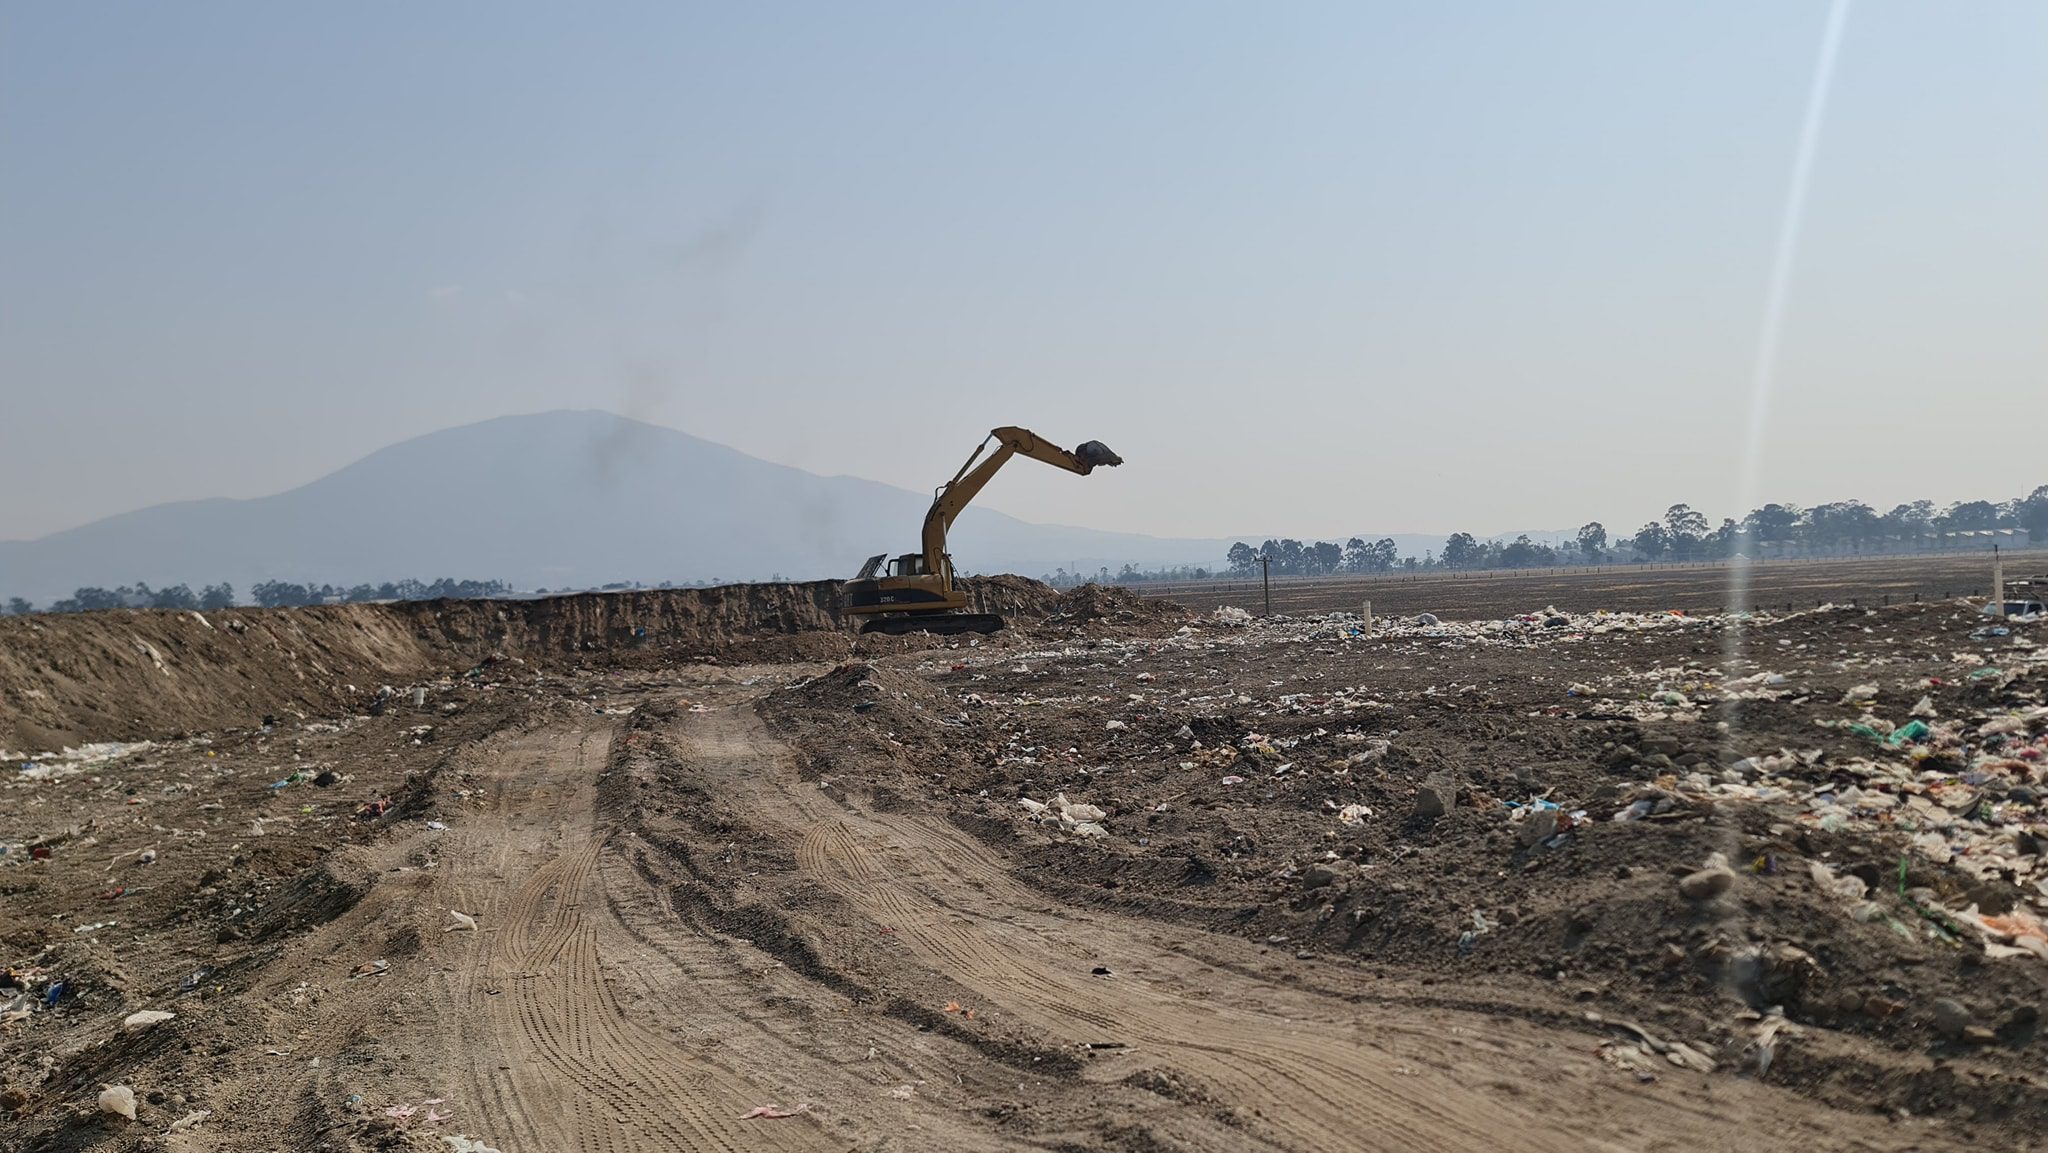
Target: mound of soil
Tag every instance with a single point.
(1093, 604)
(881, 712)
(70, 678)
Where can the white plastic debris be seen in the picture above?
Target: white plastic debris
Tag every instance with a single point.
(118, 1099)
(1074, 812)
(138, 1021)
(188, 1121)
(458, 922)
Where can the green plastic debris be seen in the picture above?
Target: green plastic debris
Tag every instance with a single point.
(1910, 731)
(1866, 732)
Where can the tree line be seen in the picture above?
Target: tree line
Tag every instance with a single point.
(1847, 526)
(267, 594)
(1320, 558)
(1681, 534)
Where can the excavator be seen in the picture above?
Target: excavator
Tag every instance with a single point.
(917, 592)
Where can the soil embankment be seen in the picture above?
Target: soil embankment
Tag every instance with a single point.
(66, 678)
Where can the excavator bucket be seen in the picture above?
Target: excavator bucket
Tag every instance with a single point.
(1095, 452)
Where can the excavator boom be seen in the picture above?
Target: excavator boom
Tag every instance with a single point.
(955, 494)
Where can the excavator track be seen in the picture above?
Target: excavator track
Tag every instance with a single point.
(938, 624)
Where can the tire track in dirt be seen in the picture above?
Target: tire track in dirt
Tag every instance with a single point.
(1253, 1062)
(553, 1052)
(1305, 1070)
(1235, 1056)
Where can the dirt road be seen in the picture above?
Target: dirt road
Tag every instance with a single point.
(1189, 1040)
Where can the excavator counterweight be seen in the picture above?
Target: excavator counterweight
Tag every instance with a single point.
(917, 592)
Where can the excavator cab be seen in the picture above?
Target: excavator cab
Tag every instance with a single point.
(916, 593)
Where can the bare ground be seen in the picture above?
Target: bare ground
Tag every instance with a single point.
(703, 888)
(1780, 585)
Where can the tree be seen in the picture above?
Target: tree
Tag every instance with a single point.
(2033, 514)
(1726, 540)
(1970, 516)
(1593, 540)
(213, 598)
(1684, 529)
(176, 597)
(1519, 554)
(1324, 557)
(277, 594)
(1241, 558)
(1844, 521)
(1460, 550)
(1910, 521)
(1287, 556)
(1355, 559)
(89, 600)
(1773, 522)
(19, 607)
(1383, 554)
(1651, 540)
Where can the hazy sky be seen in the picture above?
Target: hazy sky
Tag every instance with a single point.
(1311, 268)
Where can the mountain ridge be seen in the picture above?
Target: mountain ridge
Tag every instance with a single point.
(567, 498)
(564, 498)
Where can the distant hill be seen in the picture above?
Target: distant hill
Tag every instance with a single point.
(558, 499)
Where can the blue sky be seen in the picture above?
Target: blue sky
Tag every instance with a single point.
(1312, 268)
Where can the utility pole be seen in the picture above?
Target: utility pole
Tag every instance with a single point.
(1997, 583)
(1266, 576)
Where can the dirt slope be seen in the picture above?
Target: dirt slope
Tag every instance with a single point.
(66, 678)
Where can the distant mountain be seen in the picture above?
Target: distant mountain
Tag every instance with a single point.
(558, 499)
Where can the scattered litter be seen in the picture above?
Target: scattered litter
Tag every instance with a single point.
(1708, 882)
(1771, 1031)
(1078, 818)
(136, 1022)
(188, 1121)
(118, 1100)
(773, 1111)
(458, 922)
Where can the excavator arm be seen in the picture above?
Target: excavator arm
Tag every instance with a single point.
(955, 494)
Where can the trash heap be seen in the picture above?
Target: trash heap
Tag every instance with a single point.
(1963, 792)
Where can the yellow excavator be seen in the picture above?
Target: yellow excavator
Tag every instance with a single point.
(917, 593)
